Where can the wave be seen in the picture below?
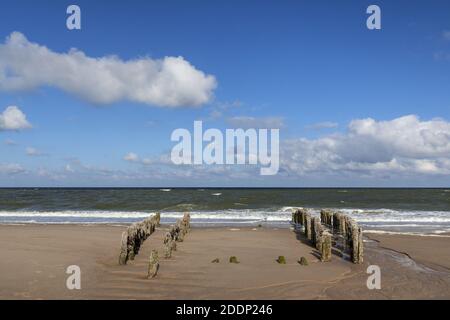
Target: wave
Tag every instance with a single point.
(203, 215)
(371, 219)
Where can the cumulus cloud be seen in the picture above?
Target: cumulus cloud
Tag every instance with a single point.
(166, 82)
(11, 168)
(13, 119)
(403, 145)
(256, 123)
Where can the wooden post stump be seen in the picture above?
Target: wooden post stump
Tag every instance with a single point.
(308, 231)
(318, 234)
(315, 222)
(326, 247)
(123, 256)
(357, 247)
(153, 265)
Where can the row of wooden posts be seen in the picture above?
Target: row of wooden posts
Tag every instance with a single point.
(331, 229)
(137, 233)
(176, 234)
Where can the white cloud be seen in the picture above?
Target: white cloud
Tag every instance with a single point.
(131, 157)
(401, 150)
(33, 152)
(256, 123)
(323, 125)
(13, 119)
(11, 168)
(166, 82)
(404, 145)
(163, 159)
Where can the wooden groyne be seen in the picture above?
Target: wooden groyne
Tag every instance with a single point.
(332, 228)
(176, 234)
(135, 235)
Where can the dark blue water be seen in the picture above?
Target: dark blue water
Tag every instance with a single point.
(400, 210)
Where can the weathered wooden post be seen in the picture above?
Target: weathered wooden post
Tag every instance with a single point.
(173, 232)
(168, 252)
(181, 231)
(153, 265)
(318, 234)
(173, 245)
(336, 221)
(303, 213)
(348, 232)
(158, 219)
(342, 226)
(187, 222)
(167, 246)
(308, 226)
(296, 216)
(360, 246)
(131, 241)
(326, 247)
(357, 247)
(313, 230)
(123, 256)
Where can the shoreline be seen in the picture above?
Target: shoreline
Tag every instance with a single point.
(228, 225)
(35, 258)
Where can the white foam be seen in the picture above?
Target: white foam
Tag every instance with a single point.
(204, 215)
(384, 219)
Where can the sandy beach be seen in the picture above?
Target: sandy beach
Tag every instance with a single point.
(35, 258)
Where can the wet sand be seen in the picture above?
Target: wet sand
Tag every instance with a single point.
(432, 251)
(35, 258)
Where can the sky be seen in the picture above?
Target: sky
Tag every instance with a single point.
(96, 107)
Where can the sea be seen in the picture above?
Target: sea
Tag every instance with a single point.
(404, 211)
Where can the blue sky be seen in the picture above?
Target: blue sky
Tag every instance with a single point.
(311, 66)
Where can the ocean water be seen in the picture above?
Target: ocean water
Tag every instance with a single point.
(381, 210)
